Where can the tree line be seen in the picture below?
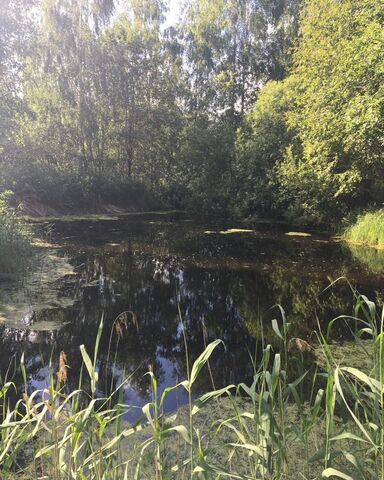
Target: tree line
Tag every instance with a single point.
(249, 108)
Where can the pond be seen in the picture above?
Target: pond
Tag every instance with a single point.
(225, 282)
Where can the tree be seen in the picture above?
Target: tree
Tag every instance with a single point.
(339, 65)
(261, 145)
(103, 99)
(233, 48)
(65, 129)
(16, 31)
(206, 152)
(143, 86)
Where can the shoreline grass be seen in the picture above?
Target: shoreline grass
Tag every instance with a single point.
(15, 237)
(367, 230)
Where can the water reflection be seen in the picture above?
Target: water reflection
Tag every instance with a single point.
(225, 286)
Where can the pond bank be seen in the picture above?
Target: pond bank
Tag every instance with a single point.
(111, 215)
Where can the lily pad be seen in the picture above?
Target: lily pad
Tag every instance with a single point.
(236, 230)
(230, 230)
(298, 234)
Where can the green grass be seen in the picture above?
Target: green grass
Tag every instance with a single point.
(291, 422)
(15, 237)
(368, 230)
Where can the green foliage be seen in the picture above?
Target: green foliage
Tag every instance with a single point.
(234, 45)
(361, 395)
(322, 155)
(206, 154)
(90, 119)
(218, 113)
(103, 96)
(368, 229)
(338, 70)
(261, 144)
(307, 189)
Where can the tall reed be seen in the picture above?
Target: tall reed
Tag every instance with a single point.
(302, 416)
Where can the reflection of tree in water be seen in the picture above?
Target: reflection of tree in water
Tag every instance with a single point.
(303, 298)
(151, 294)
(206, 297)
(137, 277)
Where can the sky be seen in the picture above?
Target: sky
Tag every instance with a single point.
(174, 12)
(172, 16)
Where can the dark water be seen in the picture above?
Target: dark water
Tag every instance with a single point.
(225, 285)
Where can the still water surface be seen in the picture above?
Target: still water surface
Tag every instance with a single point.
(224, 283)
